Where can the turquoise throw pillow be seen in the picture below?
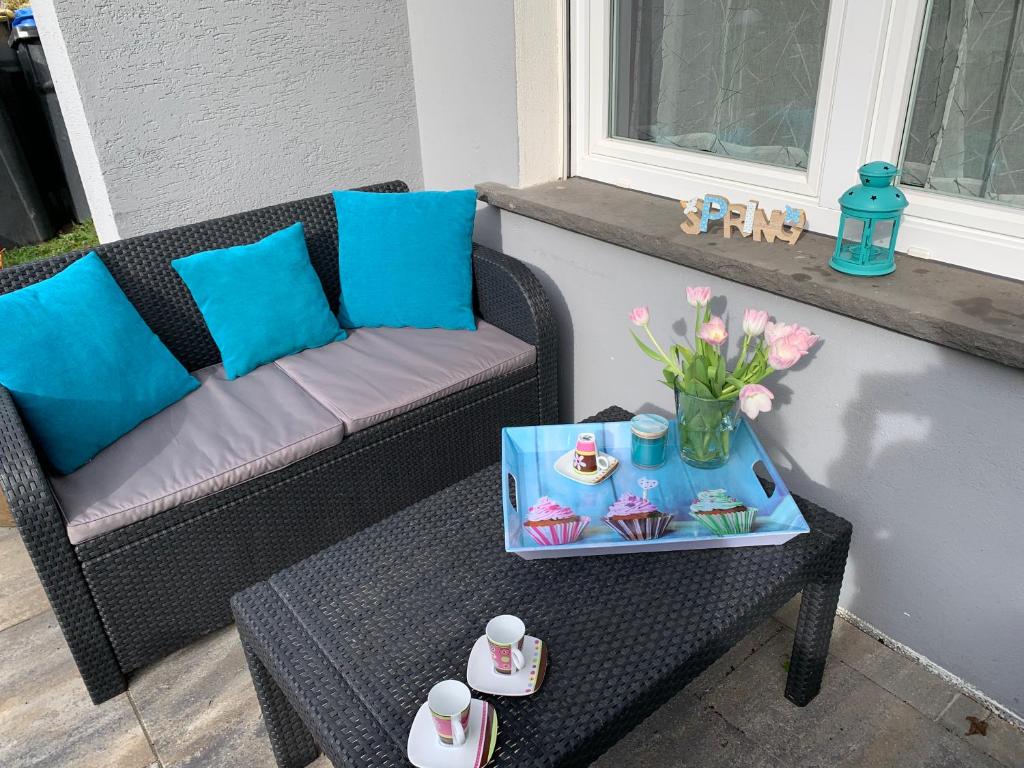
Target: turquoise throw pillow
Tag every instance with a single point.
(81, 364)
(406, 259)
(260, 301)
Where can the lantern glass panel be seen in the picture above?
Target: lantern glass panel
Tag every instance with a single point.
(874, 250)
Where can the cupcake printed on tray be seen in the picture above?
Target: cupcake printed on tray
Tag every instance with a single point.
(549, 523)
(635, 518)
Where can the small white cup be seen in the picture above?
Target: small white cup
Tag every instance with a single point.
(449, 703)
(505, 635)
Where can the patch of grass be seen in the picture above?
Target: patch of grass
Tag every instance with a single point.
(79, 236)
(8, 7)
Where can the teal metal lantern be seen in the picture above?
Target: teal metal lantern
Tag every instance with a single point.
(874, 201)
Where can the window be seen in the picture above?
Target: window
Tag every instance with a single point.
(781, 100)
(738, 79)
(965, 135)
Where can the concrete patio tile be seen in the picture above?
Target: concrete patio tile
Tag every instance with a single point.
(905, 679)
(199, 707)
(21, 594)
(852, 722)
(46, 716)
(735, 656)
(925, 691)
(685, 733)
(999, 740)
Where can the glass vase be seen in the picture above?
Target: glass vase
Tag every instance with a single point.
(705, 429)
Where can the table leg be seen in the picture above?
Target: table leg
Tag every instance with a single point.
(292, 743)
(814, 625)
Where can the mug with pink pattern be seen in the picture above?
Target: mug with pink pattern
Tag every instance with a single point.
(505, 639)
(449, 703)
(586, 458)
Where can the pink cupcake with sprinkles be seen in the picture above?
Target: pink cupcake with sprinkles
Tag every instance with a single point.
(549, 523)
(635, 518)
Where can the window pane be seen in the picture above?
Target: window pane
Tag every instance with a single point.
(730, 77)
(966, 128)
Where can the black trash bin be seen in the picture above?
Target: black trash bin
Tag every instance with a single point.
(25, 210)
(24, 40)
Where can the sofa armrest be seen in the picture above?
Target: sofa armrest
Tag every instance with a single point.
(42, 528)
(509, 296)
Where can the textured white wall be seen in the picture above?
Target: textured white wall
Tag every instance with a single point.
(917, 445)
(541, 80)
(200, 110)
(464, 64)
(75, 121)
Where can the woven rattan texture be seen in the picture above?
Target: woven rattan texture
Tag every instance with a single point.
(42, 529)
(153, 586)
(353, 638)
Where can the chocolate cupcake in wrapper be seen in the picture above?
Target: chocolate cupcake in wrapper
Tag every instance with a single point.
(635, 518)
(722, 514)
(550, 524)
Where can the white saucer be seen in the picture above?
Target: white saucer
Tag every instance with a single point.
(481, 676)
(565, 468)
(425, 750)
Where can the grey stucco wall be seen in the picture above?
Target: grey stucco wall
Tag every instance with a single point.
(464, 63)
(200, 110)
(919, 446)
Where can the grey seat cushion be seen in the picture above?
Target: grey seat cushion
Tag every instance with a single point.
(219, 435)
(378, 373)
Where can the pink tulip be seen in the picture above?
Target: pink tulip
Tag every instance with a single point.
(640, 316)
(698, 297)
(773, 331)
(754, 321)
(787, 344)
(713, 331)
(755, 399)
(783, 355)
(802, 339)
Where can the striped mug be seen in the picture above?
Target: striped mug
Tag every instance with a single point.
(505, 639)
(449, 702)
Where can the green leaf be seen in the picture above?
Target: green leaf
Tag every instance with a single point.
(680, 352)
(702, 391)
(646, 349)
(700, 369)
(670, 376)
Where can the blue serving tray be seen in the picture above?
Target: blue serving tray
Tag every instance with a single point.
(528, 457)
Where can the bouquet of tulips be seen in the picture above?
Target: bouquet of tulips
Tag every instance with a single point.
(707, 390)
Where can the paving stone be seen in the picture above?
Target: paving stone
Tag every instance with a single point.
(732, 658)
(684, 733)
(21, 594)
(925, 691)
(46, 716)
(200, 709)
(1001, 740)
(852, 722)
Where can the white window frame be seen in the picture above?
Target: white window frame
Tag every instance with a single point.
(860, 116)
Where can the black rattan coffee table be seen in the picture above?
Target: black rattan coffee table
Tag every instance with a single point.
(344, 646)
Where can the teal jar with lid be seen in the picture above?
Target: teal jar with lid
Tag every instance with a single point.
(649, 440)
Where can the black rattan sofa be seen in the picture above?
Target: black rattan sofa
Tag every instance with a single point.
(131, 596)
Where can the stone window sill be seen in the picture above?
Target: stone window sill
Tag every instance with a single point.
(972, 312)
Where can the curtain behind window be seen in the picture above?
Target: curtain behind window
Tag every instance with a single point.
(966, 132)
(730, 77)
